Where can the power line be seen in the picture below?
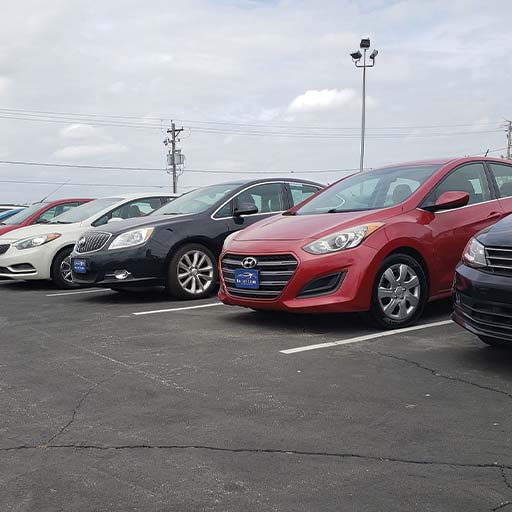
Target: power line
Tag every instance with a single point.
(164, 119)
(70, 184)
(150, 169)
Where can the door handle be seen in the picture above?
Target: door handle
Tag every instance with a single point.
(495, 215)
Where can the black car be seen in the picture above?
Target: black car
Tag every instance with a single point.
(483, 285)
(178, 245)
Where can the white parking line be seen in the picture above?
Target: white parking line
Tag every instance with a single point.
(177, 309)
(364, 338)
(61, 294)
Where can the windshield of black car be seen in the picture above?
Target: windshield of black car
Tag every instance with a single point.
(85, 211)
(23, 215)
(371, 190)
(197, 201)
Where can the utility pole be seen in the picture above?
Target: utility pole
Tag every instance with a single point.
(174, 155)
(509, 138)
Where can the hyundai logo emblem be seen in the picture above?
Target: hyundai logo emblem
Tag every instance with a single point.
(249, 262)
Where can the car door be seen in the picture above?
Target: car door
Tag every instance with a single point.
(502, 174)
(270, 199)
(451, 229)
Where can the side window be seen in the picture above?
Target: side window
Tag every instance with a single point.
(469, 178)
(225, 211)
(137, 208)
(53, 212)
(503, 175)
(268, 197)
(300, 192)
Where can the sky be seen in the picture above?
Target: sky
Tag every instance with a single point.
(261, 88)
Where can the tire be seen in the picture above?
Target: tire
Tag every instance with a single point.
(60, 271)
(400, 292)
(192, 273)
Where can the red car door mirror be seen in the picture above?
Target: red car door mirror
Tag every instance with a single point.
(450, 200)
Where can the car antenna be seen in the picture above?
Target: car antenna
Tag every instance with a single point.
(55, 191)
(486, 153)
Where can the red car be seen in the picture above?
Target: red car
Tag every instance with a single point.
(39, 213)
(384, 241)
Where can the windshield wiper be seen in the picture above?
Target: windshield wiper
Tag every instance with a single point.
(335, 210)
(59, 222)
(171, 213)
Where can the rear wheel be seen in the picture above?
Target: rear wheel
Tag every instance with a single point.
(399, 292)
(193, 273)
(61, 270)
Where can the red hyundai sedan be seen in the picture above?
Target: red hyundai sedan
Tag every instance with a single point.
(384, 241)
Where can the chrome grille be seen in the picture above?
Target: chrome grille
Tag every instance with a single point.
(4, 248)
(499, 260)
(275, 271)
(93, 241)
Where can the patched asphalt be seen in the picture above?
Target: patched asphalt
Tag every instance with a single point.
(197, 409)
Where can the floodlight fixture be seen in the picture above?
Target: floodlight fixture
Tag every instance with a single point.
(356, 55)
(365, 44)
(374, 54)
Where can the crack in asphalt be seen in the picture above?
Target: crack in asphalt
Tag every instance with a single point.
(77, 408)
(272, 451)
(436, 373)
(505, 479)
(501, 506)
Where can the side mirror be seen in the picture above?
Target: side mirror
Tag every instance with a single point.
(245, 209)
(449, 201)
(114, 219)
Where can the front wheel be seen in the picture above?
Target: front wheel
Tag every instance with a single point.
(399, 292)
(192, 273)
(61, 270)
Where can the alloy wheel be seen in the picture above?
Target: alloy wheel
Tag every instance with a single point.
(399, 292)
(195, 272)
(65, 270)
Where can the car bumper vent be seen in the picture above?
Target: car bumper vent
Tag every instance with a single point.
(4, 248)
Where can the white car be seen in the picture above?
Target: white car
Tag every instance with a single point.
(42, 251)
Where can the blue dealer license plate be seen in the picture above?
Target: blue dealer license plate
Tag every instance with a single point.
(248, 279)
(80, 266)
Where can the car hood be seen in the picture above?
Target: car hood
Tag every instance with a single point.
(121, 226)
(499, 235)
(303, 227)
(40, 229)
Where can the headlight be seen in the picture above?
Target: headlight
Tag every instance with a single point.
(474, 254)
(35, 241)
(346, 239)
(132, 238)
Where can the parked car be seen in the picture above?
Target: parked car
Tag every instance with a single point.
(8, 207)
(384, 241)
(483, 285)
(42, 251)
(4, 215)
(178, 246)
(39, 213)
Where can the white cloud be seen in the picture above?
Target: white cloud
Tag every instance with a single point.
(326, 99)
(89, 151)
(268, 114)
(78, 131)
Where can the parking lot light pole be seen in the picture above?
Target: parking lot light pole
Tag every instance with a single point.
(356, 58)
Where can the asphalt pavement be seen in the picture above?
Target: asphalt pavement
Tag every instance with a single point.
(113, 402)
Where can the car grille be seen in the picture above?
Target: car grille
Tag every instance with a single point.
(275, 271)
(93, 241)
(492, 318)
(4, 248)
(499, 260)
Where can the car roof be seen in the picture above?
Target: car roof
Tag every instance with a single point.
(265, 180)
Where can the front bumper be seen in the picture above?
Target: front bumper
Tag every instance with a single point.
(141, 266)
(358, 268)
(25, 265)
(483, 303)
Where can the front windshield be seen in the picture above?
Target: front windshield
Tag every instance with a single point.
(85, 211)
(370, 190)
(23, 215)
(197, 201)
